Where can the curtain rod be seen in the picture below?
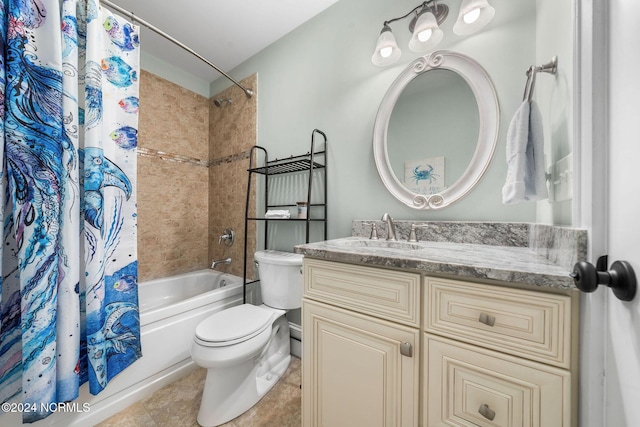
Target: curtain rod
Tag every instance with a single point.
(156, 30)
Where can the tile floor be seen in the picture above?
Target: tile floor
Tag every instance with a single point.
(176, 405)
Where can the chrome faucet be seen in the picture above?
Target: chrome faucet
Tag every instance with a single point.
(391, 229)
(226, 261)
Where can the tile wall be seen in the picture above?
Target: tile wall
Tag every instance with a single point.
(233, 131)
(184, 143)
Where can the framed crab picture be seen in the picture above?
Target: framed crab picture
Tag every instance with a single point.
(425, 176)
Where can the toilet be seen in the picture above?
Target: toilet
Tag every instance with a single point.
(246, 348)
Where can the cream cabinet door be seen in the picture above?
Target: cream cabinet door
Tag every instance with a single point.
(358, 370)
(470, 386)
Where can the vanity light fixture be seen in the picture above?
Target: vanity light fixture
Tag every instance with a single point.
(474, 14)
(425, 27)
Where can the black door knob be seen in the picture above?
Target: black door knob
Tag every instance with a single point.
(620, 278)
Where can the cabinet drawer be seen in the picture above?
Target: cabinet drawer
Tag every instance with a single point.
(529, 324)
(468, 386)
(388, 294)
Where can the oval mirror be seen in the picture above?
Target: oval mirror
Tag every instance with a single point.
(436, 130)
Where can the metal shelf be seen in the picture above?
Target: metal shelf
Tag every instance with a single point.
(303, 163)
(278, 167)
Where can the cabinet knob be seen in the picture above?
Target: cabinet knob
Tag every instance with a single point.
(487, 412)
(487, 319)
(620, 277)
(406, 349)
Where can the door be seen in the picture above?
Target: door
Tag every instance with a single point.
(622, 330)
(356, 374)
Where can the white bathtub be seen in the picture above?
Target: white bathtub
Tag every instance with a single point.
(171, 296)
(170, 309)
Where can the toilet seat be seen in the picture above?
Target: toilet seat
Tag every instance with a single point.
(233, 325)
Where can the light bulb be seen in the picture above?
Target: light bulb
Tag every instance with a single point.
(385, 52)
(425, 35)
(471, 17)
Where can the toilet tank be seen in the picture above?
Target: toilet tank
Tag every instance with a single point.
(280, 278)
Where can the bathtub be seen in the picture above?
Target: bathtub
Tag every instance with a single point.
(171, 296)
(170, 309)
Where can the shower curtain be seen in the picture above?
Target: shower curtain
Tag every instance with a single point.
(68, 289)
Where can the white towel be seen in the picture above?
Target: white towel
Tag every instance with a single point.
(277, 214)
(526, 179)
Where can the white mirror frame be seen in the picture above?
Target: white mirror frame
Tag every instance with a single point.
(489, 115)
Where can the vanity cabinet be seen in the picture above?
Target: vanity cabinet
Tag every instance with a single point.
(498, 356)
(361, 341)
(384, 347)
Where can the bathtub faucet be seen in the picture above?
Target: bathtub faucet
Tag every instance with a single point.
(226, 261)
(228, 236)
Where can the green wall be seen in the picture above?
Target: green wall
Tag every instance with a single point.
(320, 76)
(173, 74)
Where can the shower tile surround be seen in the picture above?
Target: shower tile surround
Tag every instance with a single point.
(182, 205)
(530, 254)
(233, 131)
(172, 195)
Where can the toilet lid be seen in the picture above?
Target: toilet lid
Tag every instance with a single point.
(234, 324)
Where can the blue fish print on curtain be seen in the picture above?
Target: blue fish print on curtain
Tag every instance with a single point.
(129, 104)
(68, 289)
(124, 36)
(126, 137)
(118, 72)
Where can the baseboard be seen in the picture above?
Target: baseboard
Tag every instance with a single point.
(296, 340)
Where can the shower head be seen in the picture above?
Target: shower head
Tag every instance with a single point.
(218, 102)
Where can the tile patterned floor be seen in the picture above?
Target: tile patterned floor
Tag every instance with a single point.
(176, 405)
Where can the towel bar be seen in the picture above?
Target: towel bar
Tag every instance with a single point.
(550, 67)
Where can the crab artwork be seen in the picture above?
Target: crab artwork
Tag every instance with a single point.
(424, 174)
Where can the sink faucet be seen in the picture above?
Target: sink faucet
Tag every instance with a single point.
(226, 261)
(391, 229)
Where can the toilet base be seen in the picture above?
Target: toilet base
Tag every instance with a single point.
(230, 391)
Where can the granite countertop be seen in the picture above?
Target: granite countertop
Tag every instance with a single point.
(509, 263)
